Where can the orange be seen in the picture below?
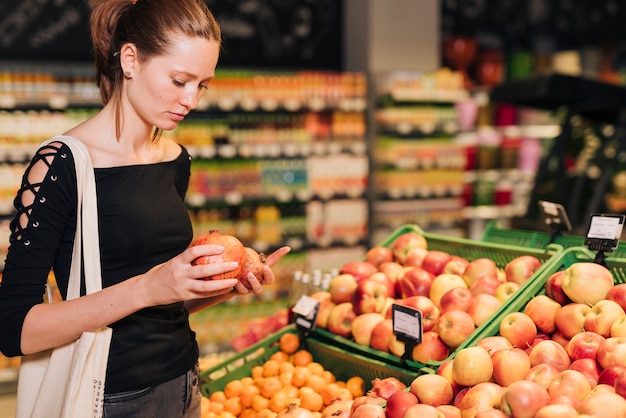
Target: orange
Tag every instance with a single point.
(257, 372)
(330, 393)
(260, 402)
(300, 375)
(248, 413)
(312, 401)
(247, 393)
(329, 376)
(301, 358)
(271, 368)
(218, 396)
(290, 390)
(233, 405)
(316, 368)
(216, 407)
(286, 367)
(233, 388)
(289, 343)
(279, 401)
(356, 386)
(269, 386)
(286, 378)
(315, 382)
(279, 356)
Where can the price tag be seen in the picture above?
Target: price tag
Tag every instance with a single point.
(604, 232)
(407, 324)
(305, 313)
(554, 216)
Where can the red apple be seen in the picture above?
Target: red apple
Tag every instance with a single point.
(618, 294)
(432, 348)
(323, 313)
(587, 282)
(458, 298)
(618, 329)
(510, 365)
(523, 398)
(485, 284)
(456, 265)
(480, 397)
(432, 389)
(342, 287)
(518, 328)
(584, 345)
(392, 269)
(620, 385)
(379, 254)
(570, 318)
(505, 290)
(449, 411)
(398, 403)
(472, 365)
(612, 352)
(455, 327)
(340, 319)
(491, 413)
(371, 294)
(549, 352)
(557, 411)
(478, 268)
(404, 242)
(415, 257)
(422, 411)
(602, 387)
(482, 307)
(540, 337)
(570, 383)
(359, 269)
(445, 370)
(396, 347)
(589, 367)
(603, 405)
(542, 373)
(434, 261)
(521, 268)
(430, 313)
(542, 310)
(494, 343)
(554, 288)
(381, 334)
(415, 281)
(443, 283)
(560, 338)
(602, 315)
(608, 376)
(363, 325)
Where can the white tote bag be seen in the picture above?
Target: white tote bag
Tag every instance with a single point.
(68, 381)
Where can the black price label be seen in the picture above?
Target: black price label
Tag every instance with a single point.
(305, 313)
(407, 324)
(604, 232)
(554, 216)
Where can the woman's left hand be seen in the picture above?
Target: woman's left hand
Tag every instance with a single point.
(255, 284)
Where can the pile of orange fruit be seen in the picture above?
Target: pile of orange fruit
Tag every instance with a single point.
(289, 376)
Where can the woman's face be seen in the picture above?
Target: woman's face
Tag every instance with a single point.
(165, 88)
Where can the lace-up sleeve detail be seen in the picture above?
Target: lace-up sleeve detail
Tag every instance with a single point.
(40, 233)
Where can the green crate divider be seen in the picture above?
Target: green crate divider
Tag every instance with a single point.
(536, 239)
(470, 249)
(342, 363)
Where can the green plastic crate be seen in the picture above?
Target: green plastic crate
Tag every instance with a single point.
(469, 249)
(341, 362)
(536, 239)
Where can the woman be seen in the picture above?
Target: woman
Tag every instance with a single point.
(154, 58)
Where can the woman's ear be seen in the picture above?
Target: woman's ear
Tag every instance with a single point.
(128, 59)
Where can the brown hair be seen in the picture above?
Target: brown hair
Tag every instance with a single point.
(149, 25)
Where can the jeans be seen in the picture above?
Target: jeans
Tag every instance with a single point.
(178, 398)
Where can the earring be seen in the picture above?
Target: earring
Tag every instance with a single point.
(127, 74)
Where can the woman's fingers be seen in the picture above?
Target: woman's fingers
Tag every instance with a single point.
(275, 257)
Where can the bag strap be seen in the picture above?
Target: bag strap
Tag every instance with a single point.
(86, 240)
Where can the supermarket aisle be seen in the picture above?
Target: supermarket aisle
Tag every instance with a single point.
(7, 406)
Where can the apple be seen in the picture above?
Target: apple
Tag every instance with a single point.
(612, 352)
(549, 352)
(542, 310)
(570, 383)
(363, 325)
(510, 365)
(430, 312)
(559, 338)
(368, 410)
(602, 315)
(360, 269)
(587, 282)
(323, 313)
(485, 284)
(478, 268)
(454, 327)
(371, 294)
(396, 347)
(404, 242)
(620, 385)
(618, 294)
(494, 343)
(445, 370)
(554, 288)
(379, 254)
(472, 365)
(480, 397)
(523, 398)
(491, 413)
(381, 334)
(449, 411)
(570, 318)
(341, 288)
(521, 268)
(584, 345)
(618, 329)
(603, 405)
(458, 298)
(398, 403)
(589, 367)
(415, 281)
(456, 265)
(432, 389)
(505, 290)
(422, 411)
(443, 283)
(482, 307)
(415, 257)
(542, 373)
(518, 328)
(608, 375)
(392, 270)
(601, 387)
(434, 261)
(557, 411)
(431, 348)
(340, 319)
(458, 399)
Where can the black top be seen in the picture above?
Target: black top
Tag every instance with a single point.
(143, 222)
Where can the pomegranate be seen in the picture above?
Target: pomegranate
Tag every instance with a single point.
(254, 264)
(339, 408)
(233, 251)
(387, 386)
(294, 411)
